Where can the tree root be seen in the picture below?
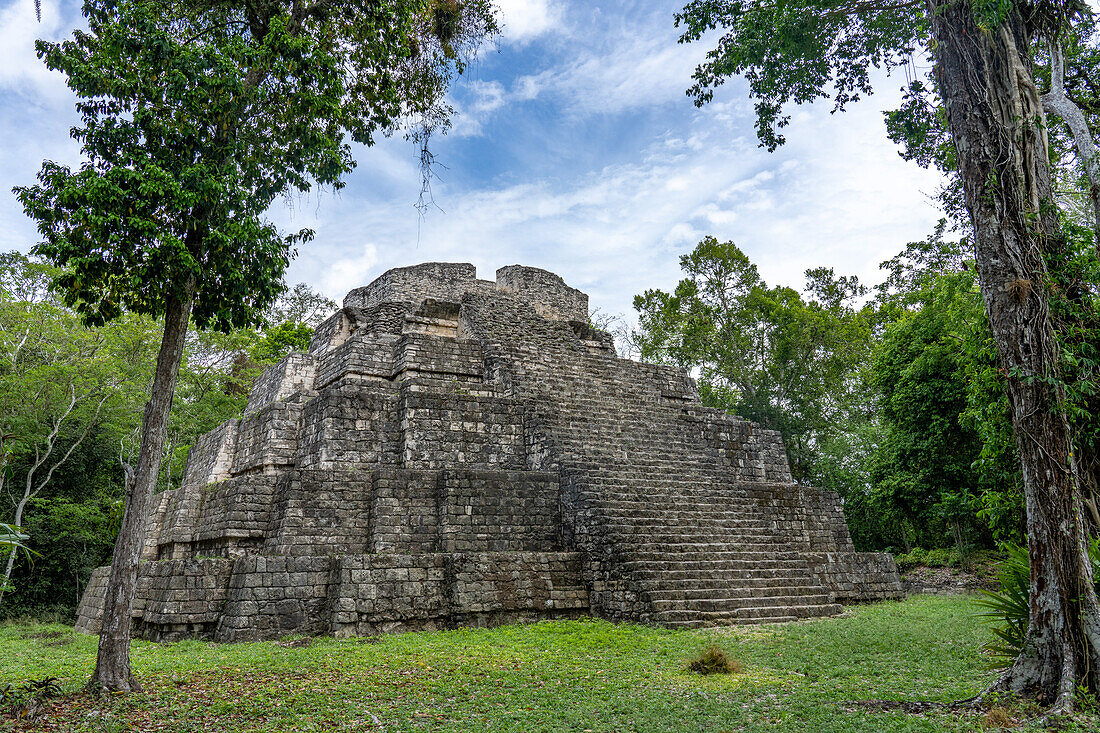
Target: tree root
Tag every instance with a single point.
(97, 688)
(1053, 718)
(973, 704)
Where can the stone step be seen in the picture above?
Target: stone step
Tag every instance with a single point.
(705, 550)
(746, 615)
(734, 560)
(734, 603)
(754, 584)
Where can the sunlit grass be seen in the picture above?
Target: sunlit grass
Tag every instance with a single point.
(553, 676)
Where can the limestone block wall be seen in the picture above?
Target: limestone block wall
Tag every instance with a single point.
(437, 357)
(234, 514)
(808, 518)
(441, 280)
(175, 599)
(858, 577)
(386, 593)
(460, 428)
(549, 294)
(271, 597)
(498, 511)
(330, 333)
(160, 510)
(180, 516)
(458, 451)
(295, 373)
(184, 597)
(366, 354)
(320, 512)
(267, 439)
(353, 422)
(405, 511)
(754, 453)
(89, 614)
(211, 458)
(382, 318)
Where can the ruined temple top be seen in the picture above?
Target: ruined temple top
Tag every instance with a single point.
(450, 281)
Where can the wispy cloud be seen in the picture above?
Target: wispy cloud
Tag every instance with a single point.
(631, 69)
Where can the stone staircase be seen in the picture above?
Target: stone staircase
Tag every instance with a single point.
(689, 541)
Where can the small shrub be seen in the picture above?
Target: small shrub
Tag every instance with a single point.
(1009, 607)
(909, 560)
(937, 558)
(996, 718)
(905, 562)
(713, 660)
(941, 558)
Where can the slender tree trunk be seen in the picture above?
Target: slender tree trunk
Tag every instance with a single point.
(112, 670)
(996, 121)
(18, 522)
(1057, 102)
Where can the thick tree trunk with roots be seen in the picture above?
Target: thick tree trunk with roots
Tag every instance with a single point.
(112, 670)
(996, 120)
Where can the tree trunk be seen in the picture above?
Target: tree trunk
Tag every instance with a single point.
(112, 670)
(10, 565)
(996, 121)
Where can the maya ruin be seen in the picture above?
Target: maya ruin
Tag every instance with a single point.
(454, 451)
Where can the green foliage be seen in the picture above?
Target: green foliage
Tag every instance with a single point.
(13, 538)
(1007, 609)
(764, 353)
(70, 526)
(940, 557)
(280, 340)
(72, 538)
(923, 468)
(798, 51)
(909, 560)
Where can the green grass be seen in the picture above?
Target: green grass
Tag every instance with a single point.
(554, 676)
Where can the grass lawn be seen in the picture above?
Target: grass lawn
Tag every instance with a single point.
(555, 676)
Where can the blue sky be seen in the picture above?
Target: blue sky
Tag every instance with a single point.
(574, 149)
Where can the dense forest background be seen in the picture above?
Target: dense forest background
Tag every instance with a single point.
(889, 396)
(71, 401)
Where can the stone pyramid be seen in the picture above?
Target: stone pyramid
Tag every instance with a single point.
(455, 451)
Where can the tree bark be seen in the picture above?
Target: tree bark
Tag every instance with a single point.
(112, 670)
(996, 120)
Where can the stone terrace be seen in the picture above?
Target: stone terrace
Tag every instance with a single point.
(454, 451)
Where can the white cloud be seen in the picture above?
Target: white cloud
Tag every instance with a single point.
(350, 272)
(523, 20)
(486, 97)
(22, 72)
(613, 224)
